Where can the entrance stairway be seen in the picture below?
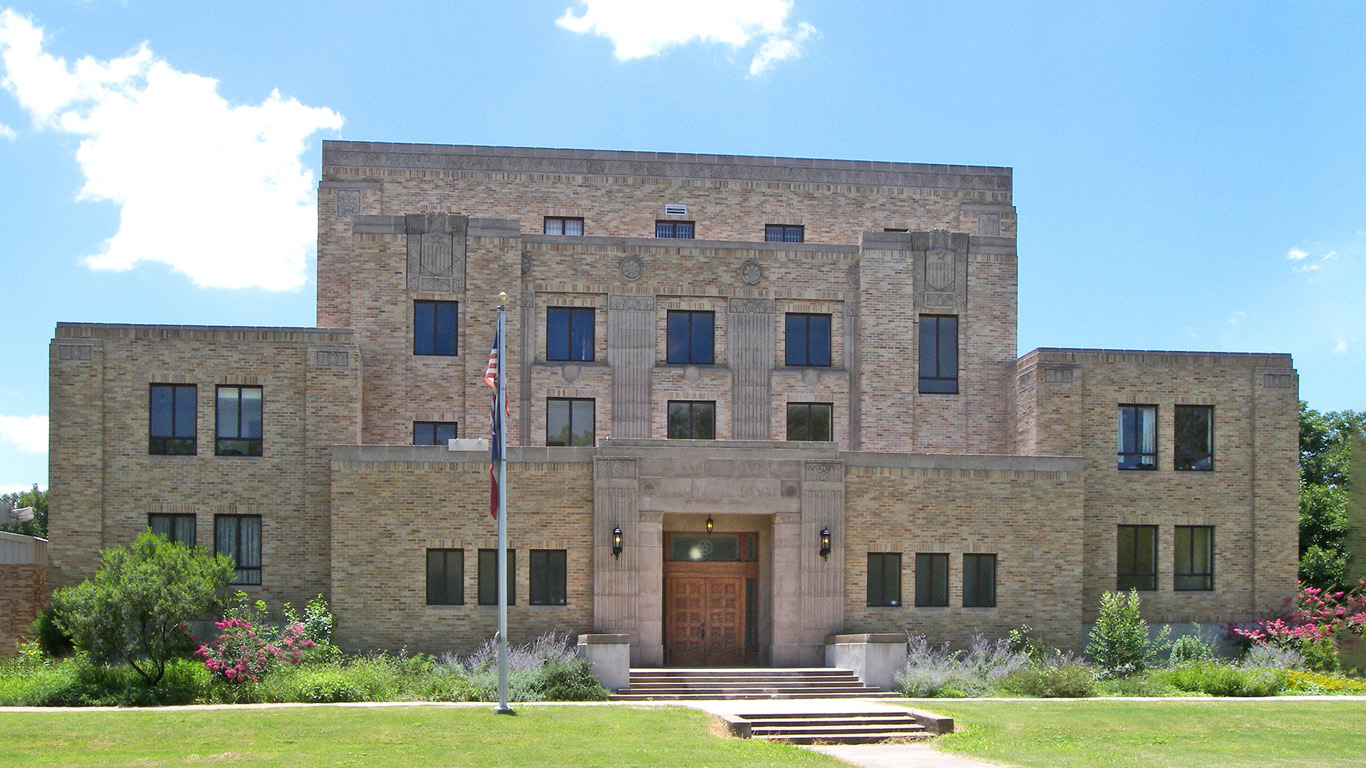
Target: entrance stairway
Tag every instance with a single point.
(746, 683)
(835, 727)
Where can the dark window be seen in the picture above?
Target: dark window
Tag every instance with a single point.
(239, 421)
(677, 230)
(568, 421)
(571, 226)
(239, 537)
(939, 354)
(569, 334)
(1136, 558)
(809, 421)
(177, 528)
(171, 421)
(1138, 437)
(1194, 554)
(784, 233)
(979, 581)
(434, 327)
(488, 577)
(1194, 437)
(712, 547)
(808, 339)
(691, 337)
(445, 577)
(884, 579)
(692, 420)
(931, 580)
(434, 432)
(548, 577)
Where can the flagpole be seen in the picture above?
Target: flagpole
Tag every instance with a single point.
(501, 415)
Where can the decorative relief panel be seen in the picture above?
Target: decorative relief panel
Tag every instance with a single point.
(348, 203)
(989, 224)
(328, 358)
(83, 352)
(631, 267)
(941, 269)
(823, 471)
(1025, 382)
(853, 275)
(1059, 374)
(631, 301)
(750, 306)
(751, 272)
(436, 252)
(1278, 380)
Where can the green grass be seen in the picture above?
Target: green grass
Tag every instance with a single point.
(429, 737)
(1123, 734)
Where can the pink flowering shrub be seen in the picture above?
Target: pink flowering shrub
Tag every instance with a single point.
(243, 652)
(1312, 623)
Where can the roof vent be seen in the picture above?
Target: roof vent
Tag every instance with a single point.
(674, 209)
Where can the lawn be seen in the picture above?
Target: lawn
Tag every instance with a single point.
(1149, 734)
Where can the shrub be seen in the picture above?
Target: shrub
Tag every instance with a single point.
(1217, 679)
(1319, 684)
(1023, 641)
(48, 638)
(1312, 623)
(932, 671)
(1139, 685)
(1263, 655)
(1193, 647)
(547, 669)
(243, 651)
(1063, 679)
(1120, 645)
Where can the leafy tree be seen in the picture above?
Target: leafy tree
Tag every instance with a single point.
(32, 498)
(1119, 642)
(136, 606)
(1325, 453)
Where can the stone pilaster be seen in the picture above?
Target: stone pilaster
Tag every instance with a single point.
(751, 360)
(631, 356)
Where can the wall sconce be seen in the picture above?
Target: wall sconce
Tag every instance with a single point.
(616, 541)
(825, 542)
(709, 523)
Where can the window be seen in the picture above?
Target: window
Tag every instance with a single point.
(1138, 437)
(239, 537)
(1194, 438)
(434, 432)
(784, 233)
(177, 528)
(939, 354)
(434, 327)
(1136, 558)
(931, 580)
(568, 421)
(691, 337)
(571, 226)
(569, 334)
(677, 230)
(488, 577)
(808, 339)
(171, 427)
(692, 420)
(548, 577)
(1194, 565)
(979, 581)
(239, 421)
(884, 579)
(445, 577)
(809, 421)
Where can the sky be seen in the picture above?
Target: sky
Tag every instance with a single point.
(1188, 176)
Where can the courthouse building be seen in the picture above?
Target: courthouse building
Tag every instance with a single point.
(755, 402)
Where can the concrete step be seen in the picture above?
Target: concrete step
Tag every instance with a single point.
(745, 683)
(835, 727)
(725, 695)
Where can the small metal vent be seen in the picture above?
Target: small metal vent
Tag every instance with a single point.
(675, 210)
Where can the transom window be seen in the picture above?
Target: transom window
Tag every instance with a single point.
(1136, 558)
(884, 579)
(239, 537)
(434, 432)
(171, 424)
(569, 334)
(711, 547)
(692, 420)
(434, 327)
(675, 230)
(807, 339)
(569, 421)
(1138, 437)
(239, 421)
(177, 528)
(979, 581)
(809, 421)
(931, 579)
(548, 577)
(445, 577)
(1194, 436)
(691, 337)
(1194, 555)
(939, 354)
(571, 226)
(784, 233)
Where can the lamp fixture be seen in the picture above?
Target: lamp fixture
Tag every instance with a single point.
(709, 523)
(825, 542)
(616, 541)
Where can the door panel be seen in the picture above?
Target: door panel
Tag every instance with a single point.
(704, 613)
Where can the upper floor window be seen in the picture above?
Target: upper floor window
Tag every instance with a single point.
(571, 226)
(979, 581)
(692, 420)
(677, 230)
(434, 327)
(569, 334)
(239, 537)
(808, 339)
(434, 432)
(809, 421)
(177, 528)
(1138, 437)
(691, 336)
(931, 579)
(1194, 435)
(938, 354)
(569, 421)
(171, 429)
(784, 233)
(445, 577)
(239, 421)
(1194, 558)
(1136, 558)
(884, 579)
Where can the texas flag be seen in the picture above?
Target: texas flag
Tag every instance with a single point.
(496, 420)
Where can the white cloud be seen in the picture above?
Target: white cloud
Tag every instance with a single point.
(29, 433)
(8, 489)
(1297, 254)
(7, 133)
(1237, 318)
(1341, 348)
(640, 29)
(214, 190)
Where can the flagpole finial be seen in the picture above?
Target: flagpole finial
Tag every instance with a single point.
(502, 298)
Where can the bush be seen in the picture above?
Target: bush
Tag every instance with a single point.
(1262, 655)
(1065, 679)
(1318, 684)
(937, 672)
(1213, 678)
(1120, 645)
(48, 637)
(1023, 641)
(1188, 648)
(79, 682)
(1141, 685)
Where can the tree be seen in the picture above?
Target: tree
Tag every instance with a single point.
(32, 498)
(1325, 453)
(136, 606)
(1119, 642)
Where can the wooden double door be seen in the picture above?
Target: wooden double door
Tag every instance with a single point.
(709, 613)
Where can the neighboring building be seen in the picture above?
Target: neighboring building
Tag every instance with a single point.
(723, 357)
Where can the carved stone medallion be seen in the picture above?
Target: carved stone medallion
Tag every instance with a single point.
(751, 272)
(631, 267)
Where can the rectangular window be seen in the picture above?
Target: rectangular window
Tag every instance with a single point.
(1194, 554)
(808, 339)
(809, 421)
(1136, 558)
(177, 528)
(784, 233)
(434, 327)
(239, 421)
(1138, 437)
(239, 537)
(939, 354)
(171, 423)
(434, 432)
(569, 421)
(675, 230)
(884, 579)
(979, 581)
(1194, 435)
(488, 577)
(570, 226)
(569, 334)
(692, 420)
(445, 577)
(548, 577)
(691, 336)
(931, 580)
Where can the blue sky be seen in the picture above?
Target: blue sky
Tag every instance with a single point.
(1188, 176)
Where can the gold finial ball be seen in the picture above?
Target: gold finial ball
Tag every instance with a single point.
(502, 297)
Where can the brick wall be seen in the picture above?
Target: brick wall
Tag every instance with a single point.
(23, 593)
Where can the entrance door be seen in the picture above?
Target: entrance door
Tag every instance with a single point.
(709, 605)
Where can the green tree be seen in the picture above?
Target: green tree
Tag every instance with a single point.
(1119, 642)
(31, 498)
(1325, 453)
(134, 608)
